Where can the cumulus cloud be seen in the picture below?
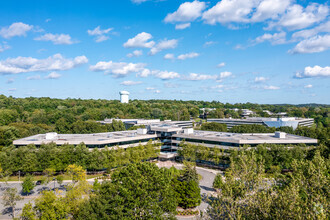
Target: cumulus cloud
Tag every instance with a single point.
(15, 29)
(188, 11)
(56, 38)
(164, 75)
(297, 17)
(198, 77)
(260, 79)
(35, 77)
(308, 86)
(144, 73)
(271, 87)
(270, 9)
(274, 39)
(53, 75)
(140, 40)
(225, 75)
(221, 65)
(188, 55)
(277, 13)
(322, 28)
(119, 69)
(135, 53)
(130, 83)
(164, 45)
(182, 26)
(169, 56)
(28, 64)
(100, 35)
(315, 71)
(314, 44)
(227, 11)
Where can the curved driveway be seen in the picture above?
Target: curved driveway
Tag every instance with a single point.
(205, 184)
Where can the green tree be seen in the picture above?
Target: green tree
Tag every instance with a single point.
(9, 199)
(28, 213)
(214, 126)
(77, 173)
(28, 184)
(137, 191)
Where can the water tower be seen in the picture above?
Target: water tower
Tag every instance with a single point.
(124, 96)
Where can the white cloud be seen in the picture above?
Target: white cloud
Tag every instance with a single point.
(225, 75)
(188, 11)
(138, 1)
(169, 56)
(221, 65)
(198, 77)
(314, 44)
(12, 90)
(130, 83)
(209, 43)
(270, 9)
(56, 38)
(188, 55)
(15, 29)
(271, 87)
(28, 64)
(119, 69)
(274, 39)
(182, 26)
(140, 40)
(227, 11)
(322, 28)
(35, 77)
(315, 71)
(297, 17)
(165, 74)
(150, 88)
(4, 47)
(308, 86)
(135, 53)
(53, 75)
(144, 73)
(101, 35)
(164, 45)
(260, 79)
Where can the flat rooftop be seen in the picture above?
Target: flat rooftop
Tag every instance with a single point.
(88, 139)
(260, 119)
(246, 138)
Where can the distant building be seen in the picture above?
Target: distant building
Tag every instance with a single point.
(269, 122)
(124, 96)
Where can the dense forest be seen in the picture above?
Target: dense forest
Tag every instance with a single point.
(21, 117)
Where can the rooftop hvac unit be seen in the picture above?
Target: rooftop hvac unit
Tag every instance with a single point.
(141, 131)
(188, 131)
(280, 134)
(51, 135)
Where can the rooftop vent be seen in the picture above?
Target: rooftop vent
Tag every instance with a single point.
(51, 135)
(279, 134)
(188, 131)
(141, 131)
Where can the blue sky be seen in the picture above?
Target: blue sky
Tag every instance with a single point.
(260, 51)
